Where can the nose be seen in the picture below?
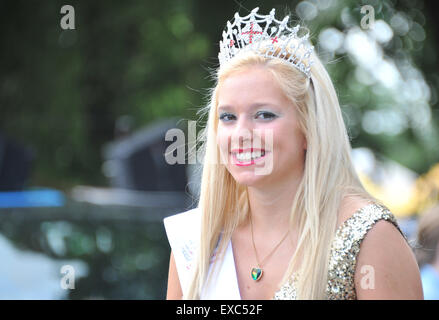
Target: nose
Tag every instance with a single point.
(242, 135)
(243, 125)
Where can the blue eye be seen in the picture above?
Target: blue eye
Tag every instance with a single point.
(267, 115)
(224, 116)
(264, 115)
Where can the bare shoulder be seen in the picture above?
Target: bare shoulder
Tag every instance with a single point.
(386, 266)
(348, 206)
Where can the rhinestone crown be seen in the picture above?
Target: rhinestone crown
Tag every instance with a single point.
(275, 40)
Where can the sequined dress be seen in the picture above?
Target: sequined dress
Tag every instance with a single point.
(341, 266)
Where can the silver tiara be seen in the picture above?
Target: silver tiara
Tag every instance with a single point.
(246, 33)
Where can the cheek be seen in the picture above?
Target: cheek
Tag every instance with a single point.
(222, 139)
(288, 140)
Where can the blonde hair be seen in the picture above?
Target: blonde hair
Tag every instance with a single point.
(328, 176)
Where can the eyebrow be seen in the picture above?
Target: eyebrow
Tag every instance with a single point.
(252, 106)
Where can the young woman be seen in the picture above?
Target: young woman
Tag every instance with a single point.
(282, 212)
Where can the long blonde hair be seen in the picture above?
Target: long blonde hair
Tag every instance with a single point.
(328, 176)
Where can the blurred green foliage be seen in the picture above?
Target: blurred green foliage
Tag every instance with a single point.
(62, 91)
(125, 255)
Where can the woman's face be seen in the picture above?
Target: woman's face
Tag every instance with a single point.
(255, 117)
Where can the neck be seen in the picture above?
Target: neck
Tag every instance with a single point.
(270, 206)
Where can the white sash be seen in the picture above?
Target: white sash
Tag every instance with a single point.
(183, 231)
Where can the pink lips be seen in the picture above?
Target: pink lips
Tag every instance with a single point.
(234, 152)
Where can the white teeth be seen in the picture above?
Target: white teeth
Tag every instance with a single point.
(243, 156)
(247, 156)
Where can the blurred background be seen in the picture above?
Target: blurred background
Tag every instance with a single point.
(84, 113)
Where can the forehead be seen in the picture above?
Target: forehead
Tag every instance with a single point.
(250, 86)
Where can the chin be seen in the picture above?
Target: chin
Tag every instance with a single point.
(249, 179)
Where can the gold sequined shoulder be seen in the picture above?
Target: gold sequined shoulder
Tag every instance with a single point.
(346, 246)
(344, 251)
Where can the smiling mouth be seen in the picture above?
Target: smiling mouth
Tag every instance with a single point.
(248, 156)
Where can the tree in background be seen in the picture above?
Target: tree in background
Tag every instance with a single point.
(63, 91)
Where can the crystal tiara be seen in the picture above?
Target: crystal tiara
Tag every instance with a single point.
(246, 34)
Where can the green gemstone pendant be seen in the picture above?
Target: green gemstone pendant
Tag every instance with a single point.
(256, 274)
